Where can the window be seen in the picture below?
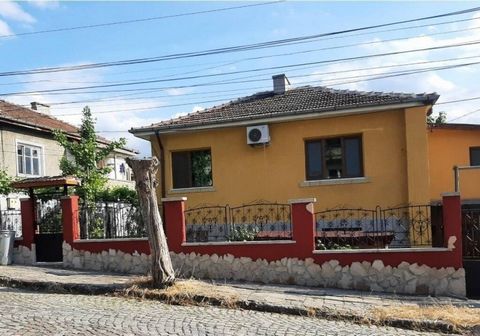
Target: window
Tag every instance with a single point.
(334, 158)
(29, 160)
(191, 169)
(474, 156)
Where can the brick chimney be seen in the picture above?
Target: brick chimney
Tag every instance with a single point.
(280, 84)
(39, 107)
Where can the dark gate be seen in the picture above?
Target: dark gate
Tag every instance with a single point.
(49, 233)
(471, 249)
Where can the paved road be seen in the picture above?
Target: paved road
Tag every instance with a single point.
(30, 313)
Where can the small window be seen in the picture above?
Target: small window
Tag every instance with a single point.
(474, 156)
(191, 169)
(334, 158)
(29, 160)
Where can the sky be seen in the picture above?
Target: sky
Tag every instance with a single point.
(222, 77)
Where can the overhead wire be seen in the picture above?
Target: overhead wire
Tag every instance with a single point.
(245, 47)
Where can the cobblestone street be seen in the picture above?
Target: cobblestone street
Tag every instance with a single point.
(29, 313)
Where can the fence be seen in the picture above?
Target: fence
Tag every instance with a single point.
(11, 220)
(398, 227)
(254, 221)
(111, 220)
(471, 233)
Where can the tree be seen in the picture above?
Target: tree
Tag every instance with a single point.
(145, 172)
(5, 183)
(441, 118)
(85, 158)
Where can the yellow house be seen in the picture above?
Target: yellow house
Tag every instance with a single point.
(345, 148)
(453, 145)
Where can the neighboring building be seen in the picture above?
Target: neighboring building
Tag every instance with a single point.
(28, 149)
(454, 145)
(346, 148)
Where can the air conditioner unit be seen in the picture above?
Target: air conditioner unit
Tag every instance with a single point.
(258, 135)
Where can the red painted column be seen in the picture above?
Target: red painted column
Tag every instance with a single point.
(28, 222)
(452, 226)
(303, 225)
(70, 222)
(174, 208)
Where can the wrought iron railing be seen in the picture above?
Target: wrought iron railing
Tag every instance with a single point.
(49, 216)
(471, 233)
(111, 220)
(255, 221)
(207, 223)
(262, 220)
(11, 220)
(398, 227)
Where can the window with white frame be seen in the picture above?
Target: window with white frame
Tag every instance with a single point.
(29, 160)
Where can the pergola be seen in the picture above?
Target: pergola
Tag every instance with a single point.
(46, 182)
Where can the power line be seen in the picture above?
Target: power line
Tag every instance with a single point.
(165, 78)
(59, 91)
(237, 48)
(252, 88)
(375, 77)
(464, 115)
(155, 18)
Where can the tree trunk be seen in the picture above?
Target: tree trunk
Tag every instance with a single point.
(145, 172)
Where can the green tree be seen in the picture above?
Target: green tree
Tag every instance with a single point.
(85, 157)
(5, 183)
(441, 118)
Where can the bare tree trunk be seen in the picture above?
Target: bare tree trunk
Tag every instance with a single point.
(145, 172)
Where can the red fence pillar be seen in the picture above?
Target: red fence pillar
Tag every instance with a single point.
(452, 226)
(28, 222)
(174, 208)
(71, 226)
(303, 222)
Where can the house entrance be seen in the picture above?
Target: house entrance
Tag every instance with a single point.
(46, 216)
(471, 248)
(48, 233)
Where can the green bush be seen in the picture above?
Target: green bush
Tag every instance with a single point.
(118, 194)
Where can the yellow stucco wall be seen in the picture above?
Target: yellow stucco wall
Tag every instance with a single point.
(450, 147)
(242, 174)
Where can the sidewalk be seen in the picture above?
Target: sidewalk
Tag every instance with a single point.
(363, 307)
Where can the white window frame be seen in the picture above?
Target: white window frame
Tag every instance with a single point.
(41, 157)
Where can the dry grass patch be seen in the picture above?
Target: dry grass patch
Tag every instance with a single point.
(462, 318)
(185, 292)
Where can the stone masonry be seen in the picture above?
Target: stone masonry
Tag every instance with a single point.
(405, 278)
(22, 255)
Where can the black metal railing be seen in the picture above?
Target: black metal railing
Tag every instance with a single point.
(471, 233)
(49, 216)
(261, 221)
(255, 221)
(111, 220)
(398, 227)
(207, 223)
(11, 220)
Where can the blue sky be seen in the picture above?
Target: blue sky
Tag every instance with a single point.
(118, 111)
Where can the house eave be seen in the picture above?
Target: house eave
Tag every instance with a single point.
(313, 114)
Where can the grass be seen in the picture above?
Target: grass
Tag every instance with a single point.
(184, 292)
(461, 318)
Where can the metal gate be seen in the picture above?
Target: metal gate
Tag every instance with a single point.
(471, 249)
(48, 236)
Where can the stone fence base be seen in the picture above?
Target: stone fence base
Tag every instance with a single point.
(22, 255)
(404, 279)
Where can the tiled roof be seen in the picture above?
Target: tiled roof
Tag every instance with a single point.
(31, 118)
(296, 101)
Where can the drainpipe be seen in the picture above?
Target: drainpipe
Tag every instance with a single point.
(162, 173)
(456, 171)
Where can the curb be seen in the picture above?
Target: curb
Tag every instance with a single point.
(123, 291)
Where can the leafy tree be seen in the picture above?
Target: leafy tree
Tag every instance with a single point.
(85, 157)
(441, 118)
(5, 183)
